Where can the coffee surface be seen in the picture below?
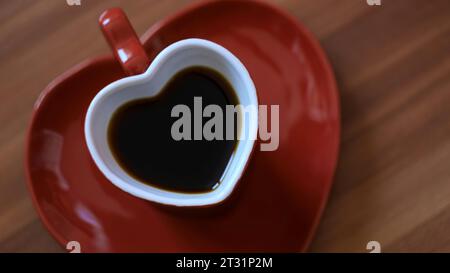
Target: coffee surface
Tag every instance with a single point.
(139, 135)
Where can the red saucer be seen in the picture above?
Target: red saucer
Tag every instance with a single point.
(280, 199)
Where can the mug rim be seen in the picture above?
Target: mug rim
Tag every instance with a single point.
(153, 193)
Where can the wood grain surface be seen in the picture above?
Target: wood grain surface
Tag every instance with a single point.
(392, 64)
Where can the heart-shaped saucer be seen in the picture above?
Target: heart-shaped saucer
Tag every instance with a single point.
(278, 203)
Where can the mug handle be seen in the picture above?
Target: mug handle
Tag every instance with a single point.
(124, 42)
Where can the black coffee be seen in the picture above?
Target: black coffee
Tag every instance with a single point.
(139, 135)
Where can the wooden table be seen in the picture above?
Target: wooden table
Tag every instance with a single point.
(392, 64)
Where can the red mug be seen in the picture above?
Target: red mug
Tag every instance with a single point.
(147, 81)
(124, 41)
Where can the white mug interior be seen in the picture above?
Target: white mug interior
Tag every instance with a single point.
(176, 57)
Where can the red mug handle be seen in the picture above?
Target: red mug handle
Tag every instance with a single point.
(123, 41)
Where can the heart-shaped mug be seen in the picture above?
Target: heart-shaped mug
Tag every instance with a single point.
(144, 82)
